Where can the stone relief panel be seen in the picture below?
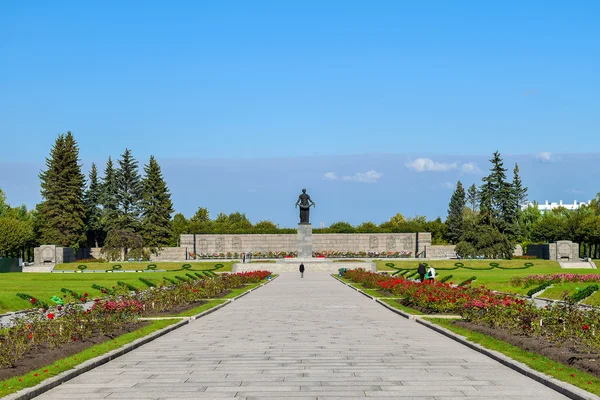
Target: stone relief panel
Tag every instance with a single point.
(408, 243)
(390, 243)
(373, 243)
(202, 245)
(236, 244)
(220, 244)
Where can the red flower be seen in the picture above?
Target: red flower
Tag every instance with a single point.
(82, 299)
(59, 308)
(45, 370)
(30, 336)
(74, 339)
(50, 316)
(85, 295)
(36, 374)
(20, 379)
(32, 300)
(572, 375)
(585, 327)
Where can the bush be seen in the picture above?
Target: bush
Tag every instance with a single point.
(467, 281)
(446, 278)
(539, 288)
(582, 294)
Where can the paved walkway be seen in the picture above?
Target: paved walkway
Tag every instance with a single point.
(310, 338)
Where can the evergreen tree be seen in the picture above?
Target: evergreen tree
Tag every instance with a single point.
(473, 197)
(128, 193)
(157, 208)
(108, 197)
(456, 209)
(520, 190)
(62, 211)
(93, 212)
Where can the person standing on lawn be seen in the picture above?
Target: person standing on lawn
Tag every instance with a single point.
(421, 271)
(301, 270)
(431, 274)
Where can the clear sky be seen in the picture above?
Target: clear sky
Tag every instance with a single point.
(274, 82)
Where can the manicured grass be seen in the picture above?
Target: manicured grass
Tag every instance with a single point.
(495, 279)
(140, 266)
(195, 311)
(394, 303)
(238, 291)
(538, 362)
(34, 377)
(44, 285)
(593, 300)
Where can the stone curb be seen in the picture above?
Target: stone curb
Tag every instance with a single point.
(564, 388)
(50, 383)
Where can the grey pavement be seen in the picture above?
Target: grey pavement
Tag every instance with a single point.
(310, 338)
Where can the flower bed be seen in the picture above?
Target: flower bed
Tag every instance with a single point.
(531, 280)
(64, 325)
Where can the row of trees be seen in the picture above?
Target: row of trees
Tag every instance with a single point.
(16, 229)
(120, 211)
(238, 223)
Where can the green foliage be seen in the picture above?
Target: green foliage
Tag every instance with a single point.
(455, 219)
(180, 278)
(169, 280)
(128, 286)
(180, 226)
(15, 234)
(446, 278)
(341, 227)
(582, 294)
(119, 241)
(147, 282)
(62, 211)
(103, 289)
(108, 197)
(128, 193)
(483, 240)
(33, 301)
(467, 281)
(538, 288)
(157, 208)
(472, 198)
(93, 212)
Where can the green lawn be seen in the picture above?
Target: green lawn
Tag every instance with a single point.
(496, 279)
(540, 363)
(140, 266)
(44, 285)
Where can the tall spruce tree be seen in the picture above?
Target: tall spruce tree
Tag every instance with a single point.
(128, 193)
(455, 219)
(520, 190)
(157, 208)
(473, 197)
(108, 197)
(62, 211)
(93, 212)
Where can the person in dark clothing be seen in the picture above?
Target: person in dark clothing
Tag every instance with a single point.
(301, 270)
(421, 271)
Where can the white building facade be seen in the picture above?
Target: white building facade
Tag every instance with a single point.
(551, 205)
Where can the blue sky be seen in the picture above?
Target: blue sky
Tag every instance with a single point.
(234, 96)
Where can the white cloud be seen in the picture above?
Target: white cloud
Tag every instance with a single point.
(470, 168)
(330, 176)
(545, 157)
(427, 164)
(370, 176)
(447, 185)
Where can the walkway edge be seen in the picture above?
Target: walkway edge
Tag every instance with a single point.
(51, 383)
(565, 388)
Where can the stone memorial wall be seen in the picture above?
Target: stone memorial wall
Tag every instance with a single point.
(352, 242)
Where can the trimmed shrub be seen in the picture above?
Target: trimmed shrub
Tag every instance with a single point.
(582, 294)
(467, 281)
(539, 288)
(446, 278)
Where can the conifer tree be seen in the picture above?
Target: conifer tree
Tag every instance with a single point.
(128, 193)
(93, 213)
(108, 197)
(520, 190)
(456, 209)
(62, 211)
(473, 197)
(157, 208)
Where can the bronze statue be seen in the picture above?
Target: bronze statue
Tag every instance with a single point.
(305, 202)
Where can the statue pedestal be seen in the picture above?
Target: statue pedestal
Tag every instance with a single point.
(304, 241)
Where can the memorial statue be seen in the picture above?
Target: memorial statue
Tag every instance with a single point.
(305, 202)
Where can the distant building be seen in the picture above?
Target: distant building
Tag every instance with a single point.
(549, 206)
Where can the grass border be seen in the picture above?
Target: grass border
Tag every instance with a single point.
(45, 385)
(562, 387)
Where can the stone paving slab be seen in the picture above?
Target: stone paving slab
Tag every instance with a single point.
(309, 338)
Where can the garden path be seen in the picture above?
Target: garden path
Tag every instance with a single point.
(310, 338)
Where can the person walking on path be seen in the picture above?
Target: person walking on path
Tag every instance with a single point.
(243, 258)
(301, 270)
(431, 274)
(421, 271)
(249, 256)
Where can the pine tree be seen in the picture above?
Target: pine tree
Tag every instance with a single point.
(93, 213)
(108, 197)
(157, 208)
(520, 190)
(456, 209)
(128, 193)
(473, 197)
(62, 211)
